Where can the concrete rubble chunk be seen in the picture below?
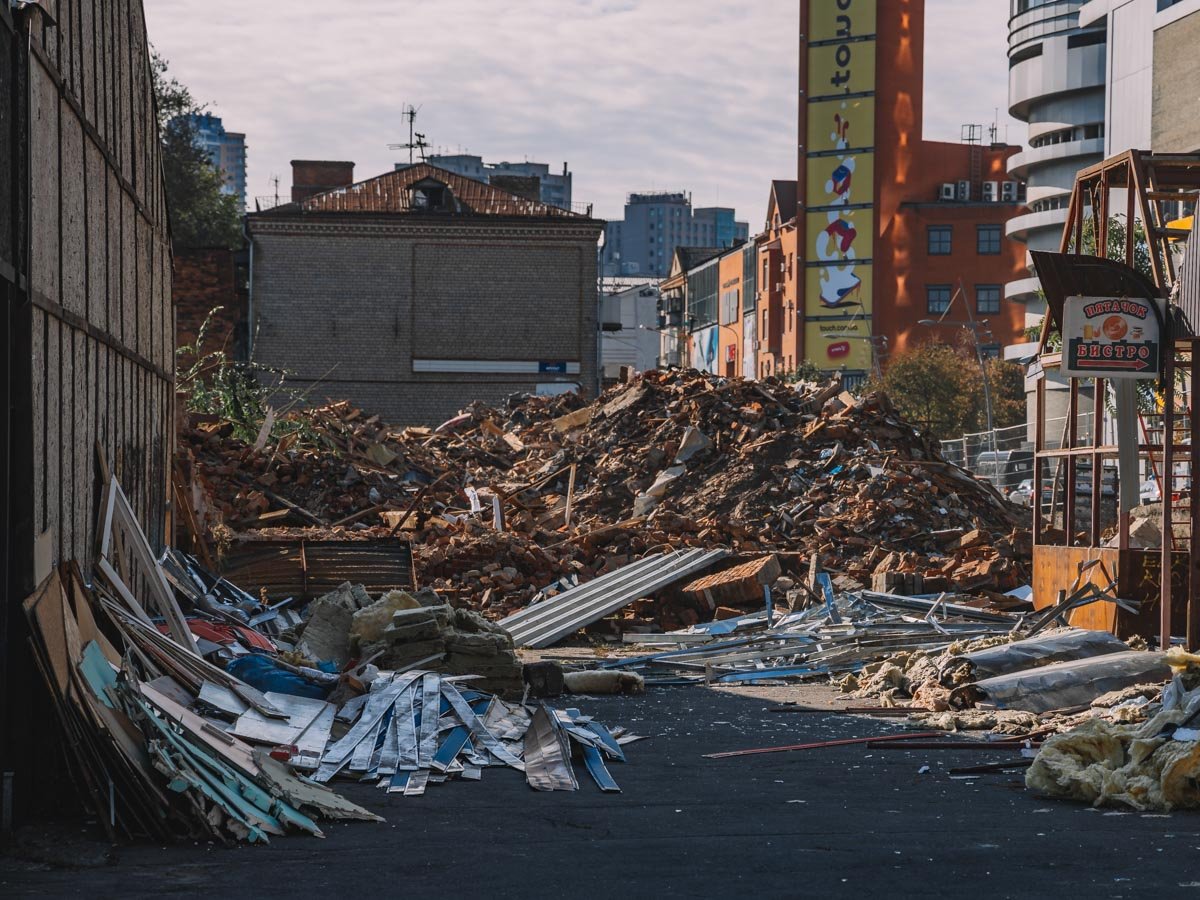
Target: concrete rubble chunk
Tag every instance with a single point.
(327, 630)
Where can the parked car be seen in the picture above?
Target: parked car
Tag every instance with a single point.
(1022, 494)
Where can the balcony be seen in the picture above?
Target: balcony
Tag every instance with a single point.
(1021, 163)
(1020, 228)
(1059, 71)
(1023, 290)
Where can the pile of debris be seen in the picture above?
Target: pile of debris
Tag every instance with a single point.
(506, 506)
(402, 631)
(188, 707)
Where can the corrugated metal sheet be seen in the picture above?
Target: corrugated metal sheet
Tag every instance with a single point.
(1189, 277)
(392, 193)
(554, 619)
(308, 569)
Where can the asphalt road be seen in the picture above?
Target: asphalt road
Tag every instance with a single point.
(838, 822)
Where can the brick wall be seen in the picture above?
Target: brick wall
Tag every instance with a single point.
(205, 280)
(343, 306)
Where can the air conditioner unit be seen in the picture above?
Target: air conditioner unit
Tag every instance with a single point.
(964, 191)
(991, 191)
(1009, 192)
(947, 191)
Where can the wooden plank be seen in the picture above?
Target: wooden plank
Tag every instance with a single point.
(54, 437)
(38, 385)
(87, 59)
(115, 318)
(82, 443)
(73, 230)
(43, 199)
(128, 262)
(96, 235)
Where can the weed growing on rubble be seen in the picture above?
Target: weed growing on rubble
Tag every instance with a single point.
(211, 383)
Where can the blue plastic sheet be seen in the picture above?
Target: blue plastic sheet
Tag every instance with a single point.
(262, 673)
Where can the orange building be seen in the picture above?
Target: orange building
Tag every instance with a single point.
(889, 229)
(779, 320)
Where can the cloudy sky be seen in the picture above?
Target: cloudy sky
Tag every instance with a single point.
(634, 94)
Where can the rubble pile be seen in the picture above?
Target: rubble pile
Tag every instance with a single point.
(506, 504)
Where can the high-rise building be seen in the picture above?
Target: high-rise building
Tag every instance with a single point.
(655, 224)
(1056, 78)
(555, 187)
(227, 149)
(1150, 58)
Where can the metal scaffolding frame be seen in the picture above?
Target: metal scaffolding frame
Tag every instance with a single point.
(1157, 189)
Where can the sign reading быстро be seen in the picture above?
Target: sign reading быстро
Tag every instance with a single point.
(1111, 337)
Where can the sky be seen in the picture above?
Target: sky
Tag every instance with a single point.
(634, 94)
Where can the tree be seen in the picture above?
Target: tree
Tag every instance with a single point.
(1115, 237)
(202, 214)
(1009, 405)
(939, 388)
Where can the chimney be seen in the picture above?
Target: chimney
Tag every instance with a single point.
(315, 176)
(527, 186)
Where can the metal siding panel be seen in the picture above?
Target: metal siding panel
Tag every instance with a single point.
(554, 619)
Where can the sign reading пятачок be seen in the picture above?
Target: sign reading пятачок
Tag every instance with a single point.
(1111, 337)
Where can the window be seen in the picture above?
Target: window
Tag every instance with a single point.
(940, 240)
(987, 298)
(937, 298)
(987, 239)
(989, 351)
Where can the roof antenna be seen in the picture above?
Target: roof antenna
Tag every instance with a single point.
(415, 141)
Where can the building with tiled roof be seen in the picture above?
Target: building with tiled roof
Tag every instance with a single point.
(417, 291)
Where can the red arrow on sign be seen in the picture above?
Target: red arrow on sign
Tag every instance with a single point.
(1138, 364)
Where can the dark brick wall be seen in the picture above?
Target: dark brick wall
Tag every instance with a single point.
(345, 305)
(205, 280)
(314, 176)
